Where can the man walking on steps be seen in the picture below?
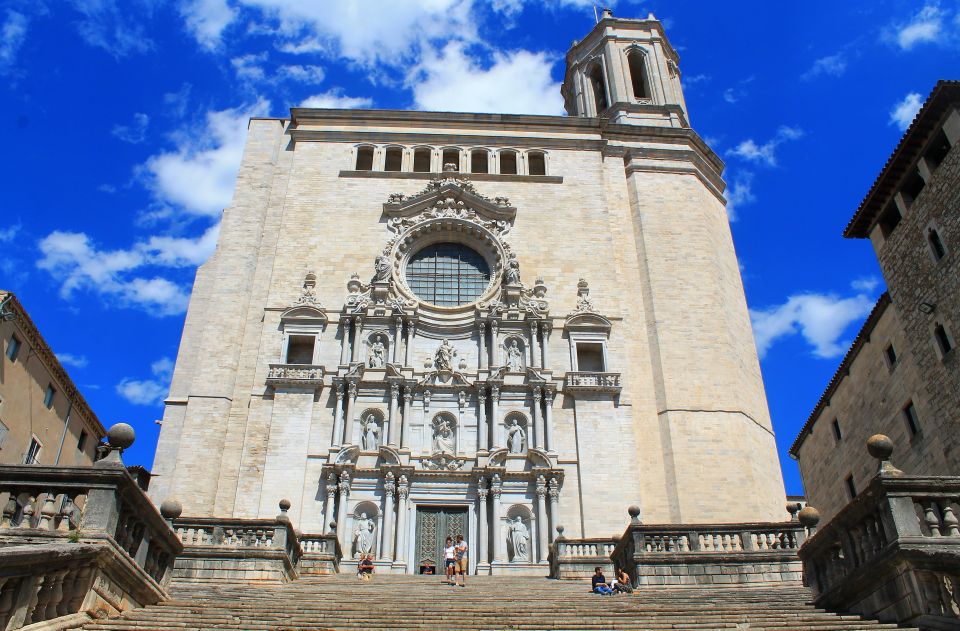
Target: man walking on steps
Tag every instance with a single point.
(462, 560)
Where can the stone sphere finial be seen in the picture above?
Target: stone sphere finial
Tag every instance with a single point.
(120, 436)
(881, 448)
(285, 505)
(634, 512)
(333, 526)
(793, 508)
(560, 530)
(809, 516)
(171, 509)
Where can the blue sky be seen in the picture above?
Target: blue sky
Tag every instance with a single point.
(123, 124)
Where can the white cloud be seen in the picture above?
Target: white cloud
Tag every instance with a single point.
(178, 101)
(252, 68)
(148, 391)
(904, 111)
(134, 133)
(69, 359)
(765, 154)
(301, 73)
(249, 67)
(9, 233)
(738, 193)
(335, 99)
(831, 65)
(518, 82)
(866, 285)
(13, 32)
(198, 177)
(119, 31)
(821, 319)
(925, 26)
(207, 19)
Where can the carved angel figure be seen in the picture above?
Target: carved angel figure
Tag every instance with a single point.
(520, 540)
(363, 535)
(514, 359)
(376, 357)
(383, 268)
(443, 358)
(444, 439)
(516, 437)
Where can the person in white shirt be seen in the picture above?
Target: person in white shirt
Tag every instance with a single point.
(462, 561)
(449, 559)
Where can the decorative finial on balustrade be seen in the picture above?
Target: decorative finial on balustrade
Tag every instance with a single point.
(793, 508)
(881, 448)
(333, 527)
(560, 530)
(170, 509)
(634, 512)
(809, 517)
(284, 507)
(119, 437)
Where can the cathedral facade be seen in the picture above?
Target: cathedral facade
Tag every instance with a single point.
(418, 324)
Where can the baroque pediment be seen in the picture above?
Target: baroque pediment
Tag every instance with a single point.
(448, 196)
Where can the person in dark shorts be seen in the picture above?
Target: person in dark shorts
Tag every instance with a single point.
(449, 560)
(622, 585)
(365, 568)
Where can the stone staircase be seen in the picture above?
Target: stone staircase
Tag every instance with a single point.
(489, 603)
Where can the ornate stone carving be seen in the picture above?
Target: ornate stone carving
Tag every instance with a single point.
(295, 375)
(443, 356)
(514, 357)
(516, 437)
(389, 483)
(443, 462)
(444, 435)
(541, 486)
(382, 268)
(584, 303)
(554, 489)
(519, 539)
(363, 535)
(308, 294)
(370, 433)
(511, 274)
(377, 357)
(331, 486)
(345, 483)
(403, 488)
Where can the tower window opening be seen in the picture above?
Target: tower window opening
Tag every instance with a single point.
(394, 159)
(638, 75)
(938, 150)
(889, 219)
(508, 162)
(452, 156)
(910, 416)
(300, 349)
(536, 163)
(365, 159)
(936, 244)
(912, 187)
(421, 160)
(851, 487)
(479, 162)
(599, 89)
(944, 343)
(837, 434)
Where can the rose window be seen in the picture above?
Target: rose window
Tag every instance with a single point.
(447, 274)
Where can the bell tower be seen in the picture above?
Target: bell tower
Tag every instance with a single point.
(626, 71)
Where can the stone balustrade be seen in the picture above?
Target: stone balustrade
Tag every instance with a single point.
(321, 554)
(893, 552)
(600, 382)
(296, 375)
(577, 558)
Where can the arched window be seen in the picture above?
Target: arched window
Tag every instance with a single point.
(479, 162)
(508, 162)
(599, 88)
(638, 74)
(536, 163)
(451, 156)
(447, 274)
(394, 159)
(936, 244)
(421, 160)
(365, 159)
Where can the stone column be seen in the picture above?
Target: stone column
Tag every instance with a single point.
(345, 341)
(396, 339)
(537, 417)
(348, 422)
(386, 543)
(411, 332)
(394, 417)
(483, 537)
(494, 421)
(495, 360)
(554, 516)
(483, 430)
(545, 332)
(543, 527)
(407, 417)
(357, 337)
(482, 331)
(403, 490)
(534, 347)
(548, 395)
(331, 498)
(338, 418)
(495, 489)
(342, 512)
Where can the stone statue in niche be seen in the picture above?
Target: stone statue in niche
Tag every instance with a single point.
(443, 358)
(516, 437)
(383, 268)
(363, 535)
(511, 275)
(370, 434)
(519, 540)
(378, 352)
(514, 357)
(444, 437)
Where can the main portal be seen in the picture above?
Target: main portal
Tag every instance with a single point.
(434, 525)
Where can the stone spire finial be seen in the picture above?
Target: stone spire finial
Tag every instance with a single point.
(881, 448)
(634, 512)
(284, 507)
(119, 437)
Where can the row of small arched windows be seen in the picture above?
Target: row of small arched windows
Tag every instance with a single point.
(432, 160)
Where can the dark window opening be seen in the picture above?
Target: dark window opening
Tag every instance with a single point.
(891, 354)
(479, 163)
(451, 156)
(365, 159)
(599, 89)
(508, 163)
(936, 244)
(448, 274)
(393, 160)
(33, 452)
(912, 187)
(421, 161)
(82, 441)
(943, 339)
(910, 415)
(13, 348)
(837, 434)
(938, 150)
(536, 164)
(851, 487)
(48, 396)
(889, 219)
(590, 357)
(638, 75)
(300, 349)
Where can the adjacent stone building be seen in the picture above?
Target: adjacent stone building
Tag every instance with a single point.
(901, 377)
(43, 417)
(421, 323)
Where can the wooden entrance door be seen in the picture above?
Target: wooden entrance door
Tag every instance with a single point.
(434, 525)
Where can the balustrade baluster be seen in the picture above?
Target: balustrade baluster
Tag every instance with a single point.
(8, 590)
(78, 589)
(9, 510)
(56, 594)
(931, 519)
(950, 521)
(48, 511)
(26, 521)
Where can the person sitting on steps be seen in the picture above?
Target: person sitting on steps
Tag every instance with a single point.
(599, 583)
(365, 567)
(623, 584)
